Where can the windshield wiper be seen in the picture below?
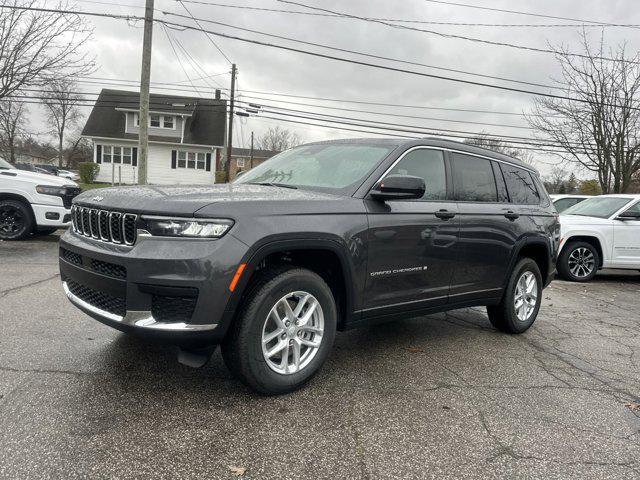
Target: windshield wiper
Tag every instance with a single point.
(271, 184)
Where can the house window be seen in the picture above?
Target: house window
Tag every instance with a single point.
(240, 162)
(158, 121)
(120, 155)
(192, 160)
(106, 154)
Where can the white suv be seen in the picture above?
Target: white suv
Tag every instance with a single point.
(600, 232)
(33, 202)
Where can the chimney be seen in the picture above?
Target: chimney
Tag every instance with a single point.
(217, 94)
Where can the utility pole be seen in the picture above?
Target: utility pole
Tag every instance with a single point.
(230, 132)
(251, 154)
(143, 135)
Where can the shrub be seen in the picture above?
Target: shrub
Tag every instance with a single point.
(88, 171)
(220, 177)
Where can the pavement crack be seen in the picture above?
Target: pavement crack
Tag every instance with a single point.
(6, 292)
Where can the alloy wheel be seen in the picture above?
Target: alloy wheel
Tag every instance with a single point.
(581, 262)
(526, 297)
(292, 332)
(11, 220)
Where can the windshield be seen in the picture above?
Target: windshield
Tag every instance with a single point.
(328, 166)
(601, 207)
(4, 165)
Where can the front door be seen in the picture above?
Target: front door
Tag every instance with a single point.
(412, 243)
(626, 240)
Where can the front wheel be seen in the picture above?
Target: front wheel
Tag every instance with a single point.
(579, 262)
(521, 300)
(283, 333)
(16, 220)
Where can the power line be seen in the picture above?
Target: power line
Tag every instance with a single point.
(364, 54)
(164, 28)
(400, 20)
(451, 35)
(208, 36)
(528, 14)
(325, 56)
(371, 112)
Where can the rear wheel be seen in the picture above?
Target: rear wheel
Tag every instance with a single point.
(579, 262)
(284, 332)
(521, 301)
(16, 220)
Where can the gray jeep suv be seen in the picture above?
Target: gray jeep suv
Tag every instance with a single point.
(323, 237)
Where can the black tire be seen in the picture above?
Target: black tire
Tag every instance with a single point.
(41, 231)
(242, 348)
(504, 316)
(16, 220)
(573, 248)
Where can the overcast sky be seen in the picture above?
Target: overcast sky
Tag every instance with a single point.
(117, 47)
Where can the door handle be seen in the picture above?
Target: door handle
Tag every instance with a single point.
(445, 214)
(511, 215)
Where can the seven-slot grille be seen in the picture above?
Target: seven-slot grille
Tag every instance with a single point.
(113, 227)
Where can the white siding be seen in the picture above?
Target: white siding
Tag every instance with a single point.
(159, 171)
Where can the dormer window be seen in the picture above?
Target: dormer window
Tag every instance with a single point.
(158, 121)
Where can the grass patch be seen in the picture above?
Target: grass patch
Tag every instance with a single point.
(91, 186)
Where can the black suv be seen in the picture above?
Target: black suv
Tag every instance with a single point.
(323, 237)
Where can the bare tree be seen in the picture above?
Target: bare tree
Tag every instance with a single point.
(63, 111)
(598, 125)
(278, 139)
(483, 140)
(79, 149)
(12, 120)
(36, 46)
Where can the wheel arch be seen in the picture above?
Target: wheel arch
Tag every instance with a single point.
(20, 198)
(593, 240)
(327, 257)
(536, 248)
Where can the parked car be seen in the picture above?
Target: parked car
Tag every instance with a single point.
(323, 237)
(601, 232)
(562, 202)
(51, 169)
(33, 203)
(68, 174)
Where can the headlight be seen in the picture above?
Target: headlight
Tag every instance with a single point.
(186, 227)
(51, 190)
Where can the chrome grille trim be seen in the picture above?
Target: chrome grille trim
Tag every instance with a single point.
(88, 222)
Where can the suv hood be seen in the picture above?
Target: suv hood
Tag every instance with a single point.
(187, 200)
(37, 178)
(579, 220)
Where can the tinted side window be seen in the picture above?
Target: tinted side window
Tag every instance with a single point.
(426, 164)
(503, 196)
(521, 186)
(473, 179)
(635, 208)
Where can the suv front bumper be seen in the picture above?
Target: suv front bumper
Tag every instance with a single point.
(166, 289)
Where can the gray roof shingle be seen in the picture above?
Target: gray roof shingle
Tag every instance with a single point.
(205, 126)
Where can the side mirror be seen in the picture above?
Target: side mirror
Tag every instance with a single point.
(628, 215)
(399, 187)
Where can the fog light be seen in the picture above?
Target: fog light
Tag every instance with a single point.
(52, 216)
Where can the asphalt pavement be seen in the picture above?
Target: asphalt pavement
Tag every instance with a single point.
(442, 396)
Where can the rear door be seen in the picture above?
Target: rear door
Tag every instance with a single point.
(412, 243)
(489, 228)
(626, 240)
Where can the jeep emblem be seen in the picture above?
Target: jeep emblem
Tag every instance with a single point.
(97, 199)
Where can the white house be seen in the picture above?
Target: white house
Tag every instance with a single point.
(186, 137)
